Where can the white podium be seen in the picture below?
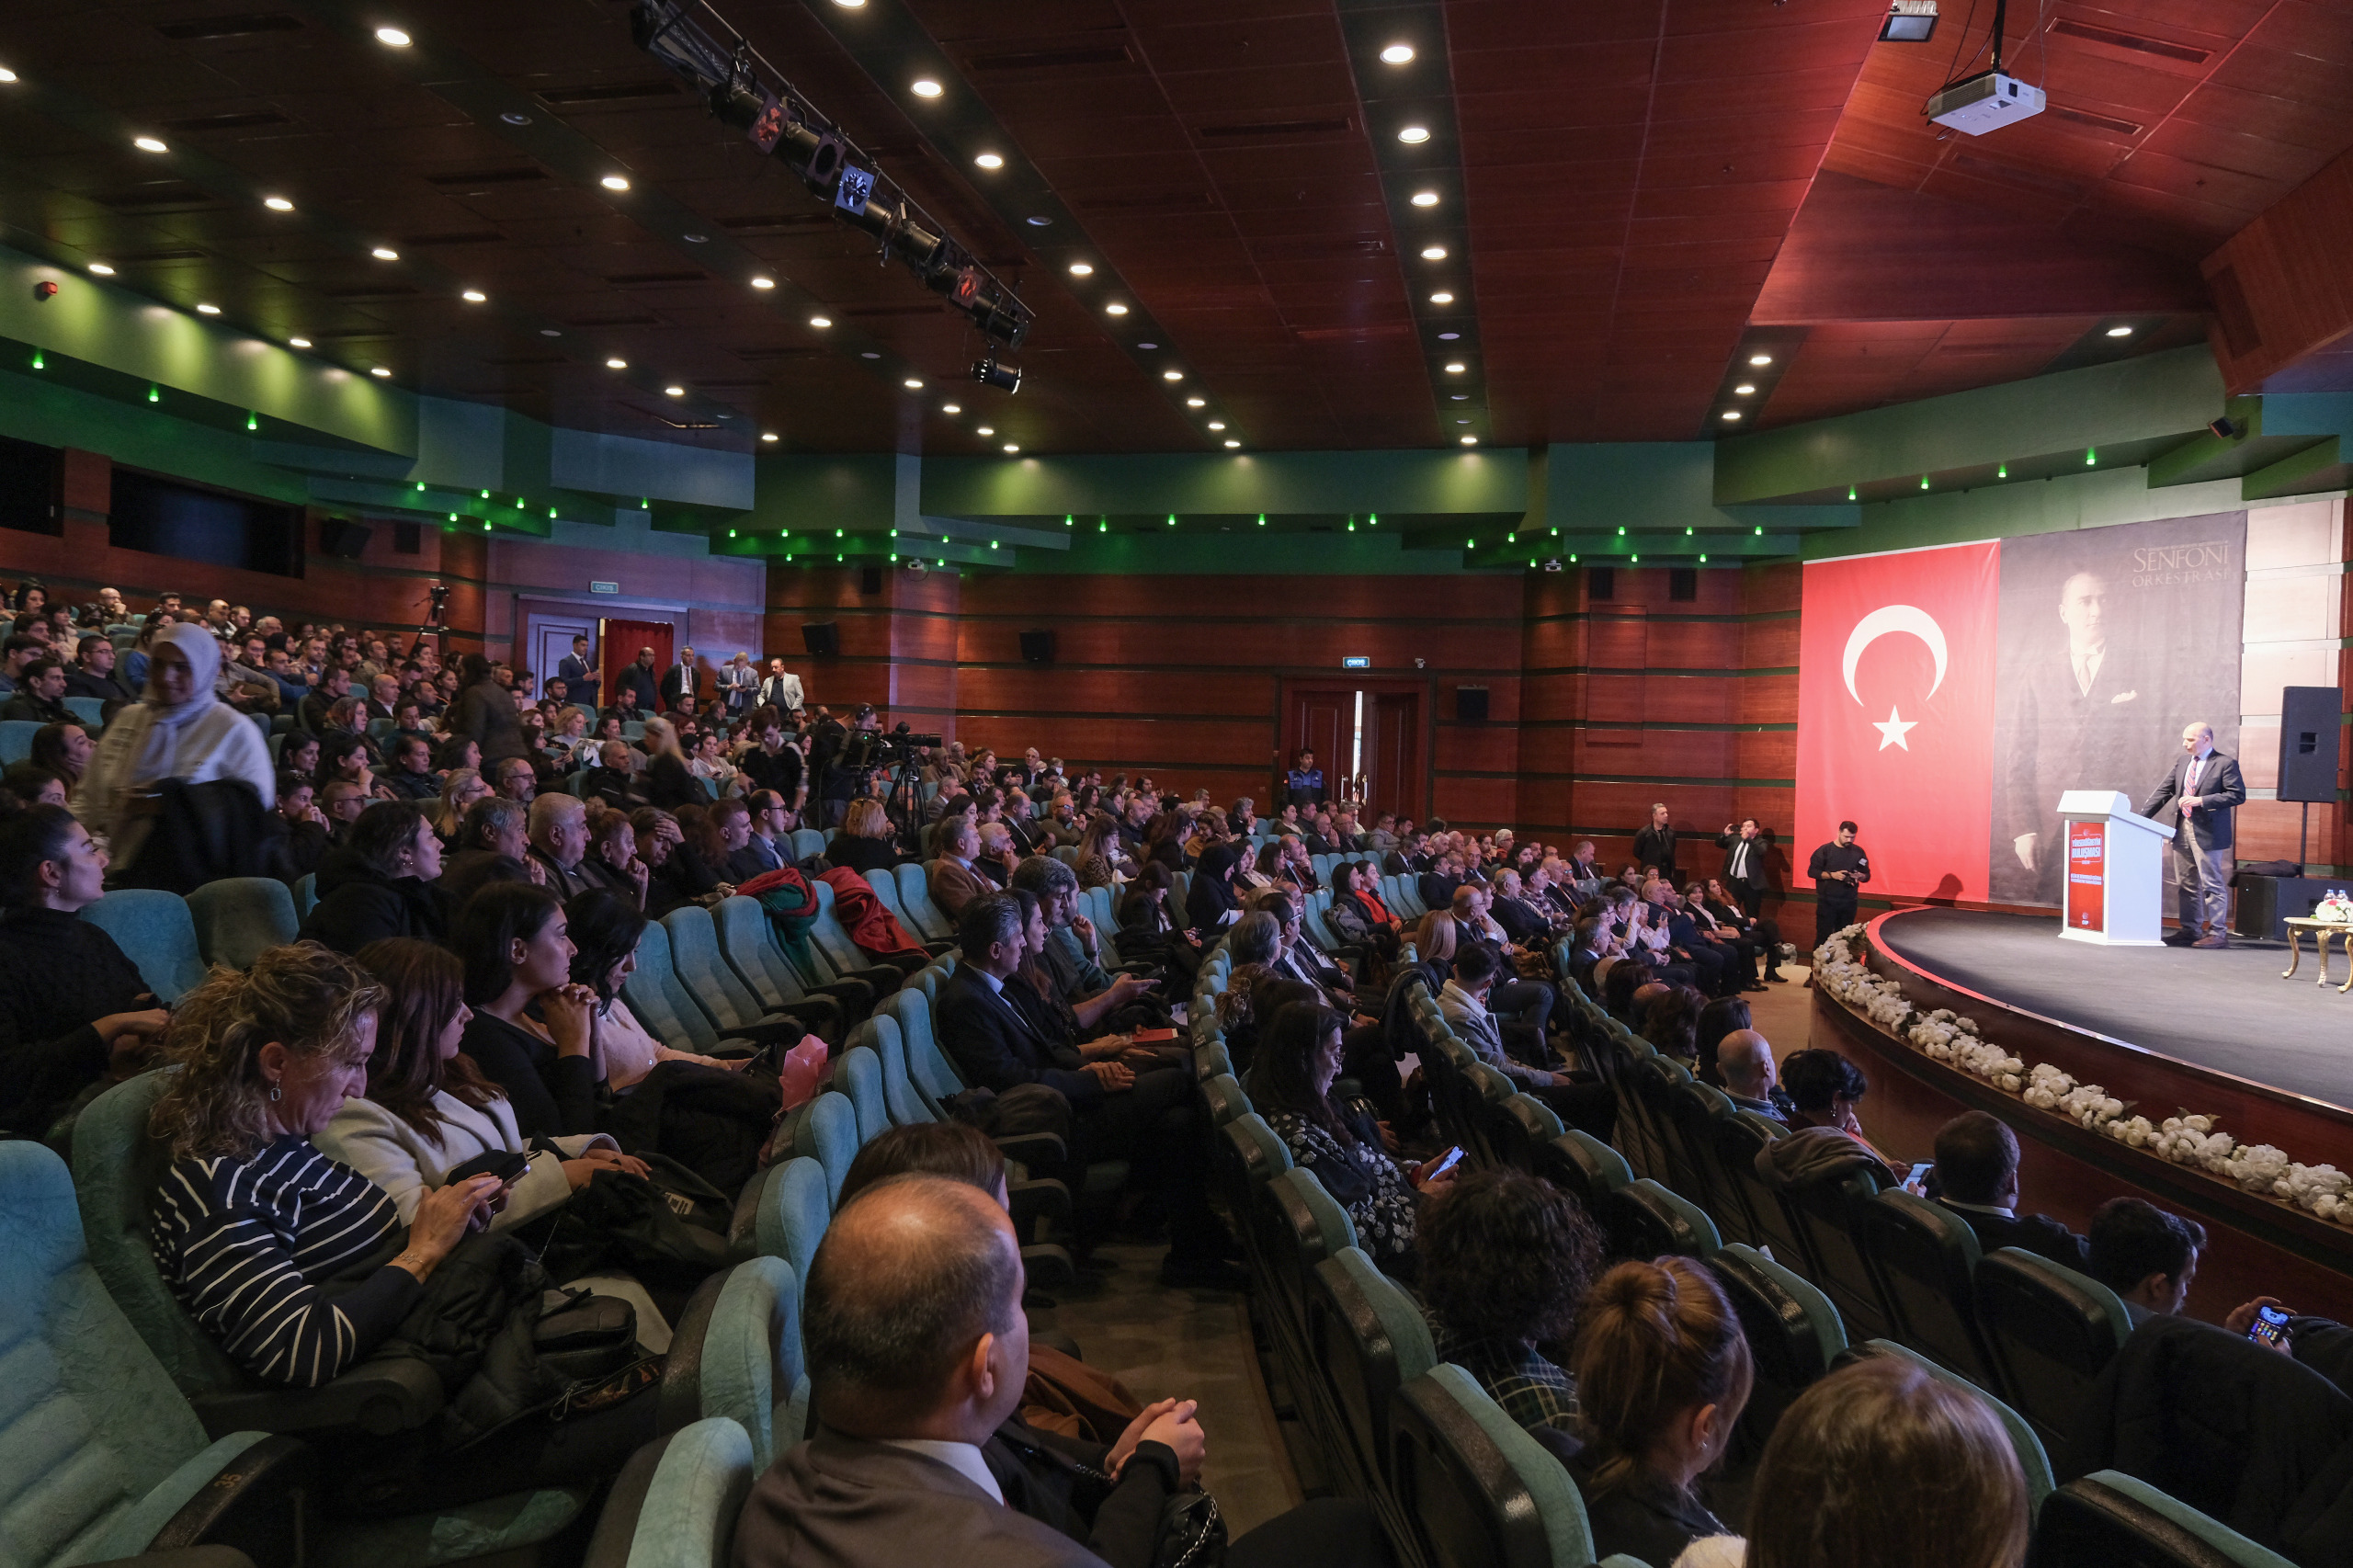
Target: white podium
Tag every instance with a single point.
(2115, 877)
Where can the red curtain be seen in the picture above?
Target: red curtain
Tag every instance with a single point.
(618, 641)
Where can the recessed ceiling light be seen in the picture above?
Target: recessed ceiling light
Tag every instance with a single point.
(951, 408)
(1456, 368)
(277, 204)
(614, 182)
(379, 372)
(763, 282)
(617, 364)
(673, 391)
(1397, 54)
(1460, 397)
(987, 431)
(2119, 332)
(821, 321)
(1009, 446)
(6, 74)
(1232, 444)
(1426, 198)
(1433, 253)
(768, 435)
(1731, 413)
(1470, 440)
(1115, 310)
(385, 253)
(913, 385)
(100, 269)
(1448, 336)
(473, 296)
(549, 332)
(1414, 135)
(1217, 424)
(148, 144)
(208, 310)
(1197, 403)
(392, 38)
(1441, 298)
(1081, 269)
(1745, 389)
(512, 118)
(298, 342)
(1760, 359)
(989, 161)
(1038, 220)
(696, 239)
(850, 5)
(869, 354)
(925, 88)
(1147, 346)
(1172, 375)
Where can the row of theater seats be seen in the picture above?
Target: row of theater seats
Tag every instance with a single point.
(1455, 1480)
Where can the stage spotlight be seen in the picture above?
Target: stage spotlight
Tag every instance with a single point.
(1909, 21)
(1004, 378)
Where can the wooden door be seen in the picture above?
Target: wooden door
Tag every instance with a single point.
(619, 641)
(1392, 754)
(549, 643)
(1323, 719)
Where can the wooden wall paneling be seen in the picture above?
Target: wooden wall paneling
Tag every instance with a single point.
(1617, 638)
(1553, 644)
(1474, 803)
(1614, 699)
(1694, 699)
(1767, 754)
(1553, 750)
(1477, 748)
(1770, 644)
(1553, 695)
(1052, 689)
(1766, 699)
(1767, 589)
(1683, 644)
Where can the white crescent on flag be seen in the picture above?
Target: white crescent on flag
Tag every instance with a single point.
(1894, 618)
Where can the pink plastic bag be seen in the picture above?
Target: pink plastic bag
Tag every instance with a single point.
(803, 1066)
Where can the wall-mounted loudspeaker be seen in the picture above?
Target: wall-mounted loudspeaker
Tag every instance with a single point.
(870, 579)
(1471, 702)
(2309, 732)
(1038, 647)
(343, 537)
(822, 636)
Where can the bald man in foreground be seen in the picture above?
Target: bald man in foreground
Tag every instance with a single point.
(918, 1354)
(1750, 1080)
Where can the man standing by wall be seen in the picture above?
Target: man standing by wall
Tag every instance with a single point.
(1654, 846)
(578, 673)
(2205, 784)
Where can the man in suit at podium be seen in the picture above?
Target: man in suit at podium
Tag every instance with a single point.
(2206, 785)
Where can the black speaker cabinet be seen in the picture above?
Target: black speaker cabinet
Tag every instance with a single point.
(2264, 901)
(822, 636)
(1038, 647)
(1470, 703)
(2309, 733)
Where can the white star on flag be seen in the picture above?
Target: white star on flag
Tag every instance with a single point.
(1893, 729)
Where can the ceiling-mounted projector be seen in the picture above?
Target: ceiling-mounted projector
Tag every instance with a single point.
(1984, 102)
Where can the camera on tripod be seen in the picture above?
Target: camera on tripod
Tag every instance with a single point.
(867, 750)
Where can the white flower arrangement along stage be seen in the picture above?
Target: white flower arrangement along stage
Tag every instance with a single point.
(2187, 1139)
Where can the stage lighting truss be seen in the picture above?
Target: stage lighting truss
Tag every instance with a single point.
(744, 91)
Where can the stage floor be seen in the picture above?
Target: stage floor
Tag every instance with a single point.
(2226, 1010)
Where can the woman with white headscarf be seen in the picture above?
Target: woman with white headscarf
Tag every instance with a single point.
(181, 730)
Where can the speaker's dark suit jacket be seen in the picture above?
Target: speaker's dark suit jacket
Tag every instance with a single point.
(2219, 789)
(2037, 1233)
(840, 1502)
(996, 1047)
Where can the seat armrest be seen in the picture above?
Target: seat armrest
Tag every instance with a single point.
(1033, 1149)
(392, 1393)
(184, 1557)
(257, 1504)
(1037, 1199)
(680, 1401)
(616, 1524)
(1047, 1267)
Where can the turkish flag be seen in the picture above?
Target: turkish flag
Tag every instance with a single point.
(1895, 714)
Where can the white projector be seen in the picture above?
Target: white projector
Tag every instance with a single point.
(1985, 102)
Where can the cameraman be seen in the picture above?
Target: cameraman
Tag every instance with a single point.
(837, 785)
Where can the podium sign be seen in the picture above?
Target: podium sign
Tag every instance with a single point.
(2115, 874)
(2086, 876)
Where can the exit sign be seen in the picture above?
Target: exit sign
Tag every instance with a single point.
(603, 587)
(1355, 662)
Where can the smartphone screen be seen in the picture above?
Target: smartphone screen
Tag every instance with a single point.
(2270, 1326)
(1454, 1157)
(1920, 1172)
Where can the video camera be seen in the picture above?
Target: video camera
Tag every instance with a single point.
(865, 750)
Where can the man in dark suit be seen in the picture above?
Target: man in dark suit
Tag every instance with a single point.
(1744, 868)
(1654, 846)
(1976, 1177)
(2205, 785)
(579, 676)
(682, 684)
(1116, 1112)
(637, 679)
(918, 1353)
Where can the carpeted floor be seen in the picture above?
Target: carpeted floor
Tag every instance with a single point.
(2228, 1010)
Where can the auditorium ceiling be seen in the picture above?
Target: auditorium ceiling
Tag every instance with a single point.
(1632, 201)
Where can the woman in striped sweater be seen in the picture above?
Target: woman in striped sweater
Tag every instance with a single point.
(251, 1223)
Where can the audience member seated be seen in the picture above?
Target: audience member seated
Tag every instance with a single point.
(1111, 1111)
(1826, 1141)
(40, 688)
(676, 873)
(1672, 1024)
(613, 781)
(2144, 1255)
(954, 881)
(669, 780)
(492, 845)
(533, 1031)
(1976, 1177)
(1745, 1061)
(74, 1014)
(862, 843)
(269, 1243)
(1039, 1000)
(301, 841)
(1661, 1375)
(380, 883)
(182, 731)
(1717, 1019)
(919, 1358)
(604, 929)
(1882, 1462)
(1291, 1074)
(30, 784)
(1575, 1098)
(1506, 1258)
(1151, 926)
(1097, 995)
(1210, 905)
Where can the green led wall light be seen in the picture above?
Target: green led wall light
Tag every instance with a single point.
(40, 363)
(2090, 457)
(154, 393)
(1924, 481)
(1172, 520)
(1850, 493)
(253, 421)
